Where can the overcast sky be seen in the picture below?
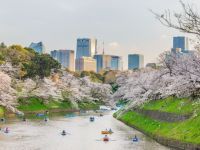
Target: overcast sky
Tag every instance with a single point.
(126, 26)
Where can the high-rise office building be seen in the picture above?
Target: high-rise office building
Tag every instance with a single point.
(65, 57)
(85, 64)
(180, 42)
(38, 47)
(86, 47)
(108, 62)
(135, 61)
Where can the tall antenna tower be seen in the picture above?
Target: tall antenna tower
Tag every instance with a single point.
(96, 47)
(103, 48)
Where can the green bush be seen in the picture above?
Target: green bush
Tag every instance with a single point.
(2, 111)
(31, 104)
(31, 64)
(41, 65)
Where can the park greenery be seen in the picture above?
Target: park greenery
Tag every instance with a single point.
(30, 81)
(171, 105)
(35, 104)
(58, 89)
(185, 131)
(2, 111)
(28, 63)
(38, 104)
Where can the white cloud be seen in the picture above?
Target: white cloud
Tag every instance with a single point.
(114, 44)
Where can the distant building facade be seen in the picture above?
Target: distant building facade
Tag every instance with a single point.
(180, 43)
(65, 57)
(108, 62)
(86, 47)
(85, 64)
(176, 50)
(135, 61)
(151, 65)
(38, 47)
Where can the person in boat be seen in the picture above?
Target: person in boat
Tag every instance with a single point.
(91, 118)
(7, 130)
(45, 119)
(106, 138)
(24, 119)
(135, 138)
(110, 130)
(63, 132)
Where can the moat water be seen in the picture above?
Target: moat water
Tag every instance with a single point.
(36, 134)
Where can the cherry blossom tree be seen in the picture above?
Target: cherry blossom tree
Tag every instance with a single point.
(7, 93)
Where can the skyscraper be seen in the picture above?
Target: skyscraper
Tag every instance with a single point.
(135, 61)
(86, 47)
(85, 64)
(65, 57)
(180, 42)
(108, 62)
(38, 47)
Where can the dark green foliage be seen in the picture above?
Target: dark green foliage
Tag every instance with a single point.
(85, 73)
(41, 65)
(31, 64)
(122, 102)
(114, 86)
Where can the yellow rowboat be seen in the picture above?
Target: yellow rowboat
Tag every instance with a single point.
(106, 132)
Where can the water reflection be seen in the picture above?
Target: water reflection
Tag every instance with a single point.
(83, 134)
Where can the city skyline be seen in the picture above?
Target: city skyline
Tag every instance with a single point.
(65, 58)
(125, 26)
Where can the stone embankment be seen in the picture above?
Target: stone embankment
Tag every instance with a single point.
(163, 116)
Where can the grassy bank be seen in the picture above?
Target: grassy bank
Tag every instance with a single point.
(171, 105)
(38, 104)
(1, 112)
(89, 105)
(187, 131)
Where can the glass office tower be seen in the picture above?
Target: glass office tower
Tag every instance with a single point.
(135, 61)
